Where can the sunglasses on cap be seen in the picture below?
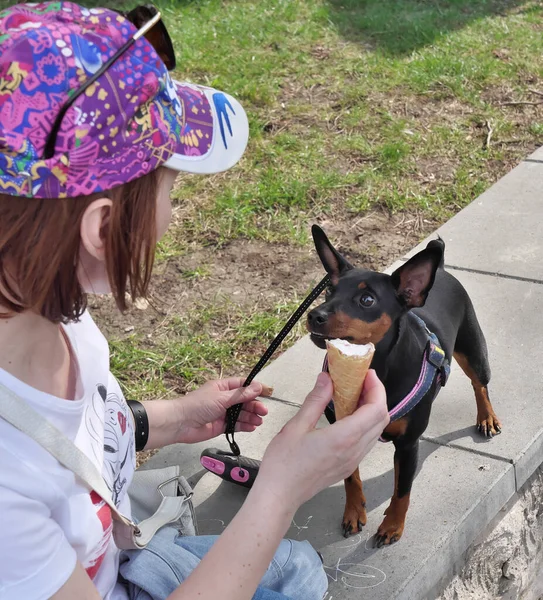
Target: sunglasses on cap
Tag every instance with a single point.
(149, 22)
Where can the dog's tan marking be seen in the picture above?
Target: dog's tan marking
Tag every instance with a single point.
(487, 421)
(396, 428)
(355, 504)
(391, 529)
(342, 326)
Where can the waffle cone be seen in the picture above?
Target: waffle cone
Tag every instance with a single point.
(348, 374)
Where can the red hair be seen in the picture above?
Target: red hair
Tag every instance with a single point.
(40, 243)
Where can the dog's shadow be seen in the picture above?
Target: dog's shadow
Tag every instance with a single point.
(318, 520)
(452, 436)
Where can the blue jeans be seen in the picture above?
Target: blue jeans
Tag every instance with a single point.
(295, 573)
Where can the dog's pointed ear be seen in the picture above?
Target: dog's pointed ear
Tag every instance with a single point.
(334, 264)
(415, 279)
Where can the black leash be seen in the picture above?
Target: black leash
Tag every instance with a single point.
(232, 413)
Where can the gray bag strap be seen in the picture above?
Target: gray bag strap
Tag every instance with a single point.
(24, 418)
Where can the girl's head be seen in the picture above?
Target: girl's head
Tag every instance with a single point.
(83, 197)
(54, 251)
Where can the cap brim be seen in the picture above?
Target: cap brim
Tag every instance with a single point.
(215, 131)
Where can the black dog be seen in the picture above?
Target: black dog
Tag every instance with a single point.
(365, 306)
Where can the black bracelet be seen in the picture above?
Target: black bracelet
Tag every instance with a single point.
(142, 423)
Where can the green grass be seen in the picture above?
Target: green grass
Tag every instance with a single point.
(208, 342)
(324, 82)
(330, 86)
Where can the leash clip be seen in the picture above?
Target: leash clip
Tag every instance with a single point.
(436, 357)
(234, 448)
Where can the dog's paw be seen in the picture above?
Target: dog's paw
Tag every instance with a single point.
(488, 424)
(354, 518)
(389, 532)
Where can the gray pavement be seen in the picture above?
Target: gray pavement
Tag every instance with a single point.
(495, 248)
(501, 231)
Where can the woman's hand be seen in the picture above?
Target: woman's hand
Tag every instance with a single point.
(203, 411)
(200, 415)
(302, 460)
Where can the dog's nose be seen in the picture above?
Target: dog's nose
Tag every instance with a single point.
(317, 317)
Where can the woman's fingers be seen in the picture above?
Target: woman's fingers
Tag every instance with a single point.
(245, 427)
(267, 391)
(251, 418)
(373, 391)
(366, 421)
(255, 406)
(233, 383)
(357, 431)
(373, 398)
(243, 394)
(315, 402)
(229, 384)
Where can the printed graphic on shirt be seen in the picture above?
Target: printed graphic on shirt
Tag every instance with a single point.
(94, 418)
(117, 451)
(108, 413)
(104, 514)
(106, 422)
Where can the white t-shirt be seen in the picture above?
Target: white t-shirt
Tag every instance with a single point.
(48, 520)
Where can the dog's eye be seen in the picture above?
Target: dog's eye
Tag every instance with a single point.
(329, 289)
(367, 300)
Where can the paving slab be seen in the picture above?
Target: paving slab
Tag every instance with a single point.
(455, 495)
(509, 312)
(394, 266)
(502, 230)
(537, 155)
(293, 374)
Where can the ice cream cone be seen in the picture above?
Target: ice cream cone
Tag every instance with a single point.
(348, 365)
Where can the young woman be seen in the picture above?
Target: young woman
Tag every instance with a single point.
(92, 133)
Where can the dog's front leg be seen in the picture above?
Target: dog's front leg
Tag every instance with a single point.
(405, 466)
(354, 517)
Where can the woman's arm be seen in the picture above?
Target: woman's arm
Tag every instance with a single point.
(78, 586)
(236, 563)
(233, 567)
(300, 461)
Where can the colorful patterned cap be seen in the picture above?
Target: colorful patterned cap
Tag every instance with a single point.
(133, 119)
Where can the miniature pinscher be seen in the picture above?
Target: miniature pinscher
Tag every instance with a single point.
(364, 306)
